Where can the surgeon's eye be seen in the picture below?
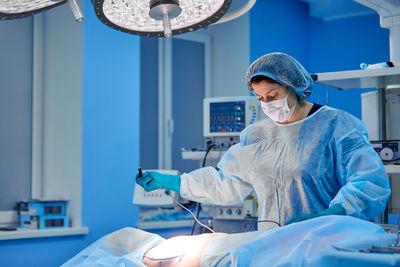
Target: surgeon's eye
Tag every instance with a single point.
(269, 98)
(272, 96)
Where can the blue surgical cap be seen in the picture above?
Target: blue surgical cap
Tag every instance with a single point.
(285, 70)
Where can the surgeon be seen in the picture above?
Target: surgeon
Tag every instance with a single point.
(304, 161)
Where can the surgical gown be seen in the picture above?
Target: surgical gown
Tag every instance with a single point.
(297, 168)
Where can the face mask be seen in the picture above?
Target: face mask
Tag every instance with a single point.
(278, 110)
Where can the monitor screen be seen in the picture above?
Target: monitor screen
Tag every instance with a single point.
(227, 116)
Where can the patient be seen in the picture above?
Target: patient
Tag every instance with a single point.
(324, 241)
(179, 251)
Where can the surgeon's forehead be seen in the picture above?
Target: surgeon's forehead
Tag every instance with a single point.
(267, 87)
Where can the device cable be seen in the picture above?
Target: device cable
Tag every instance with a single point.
(250, 221)
(390, 161)
(208, 151)
(198, 206)
(179, 204)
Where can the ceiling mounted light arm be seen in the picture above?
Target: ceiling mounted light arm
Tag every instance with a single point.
(76, 10)
(240, 12)
(165, 10)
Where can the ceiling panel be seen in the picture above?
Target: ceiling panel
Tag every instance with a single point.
(336, 9)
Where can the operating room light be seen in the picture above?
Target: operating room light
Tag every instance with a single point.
(159, 18)
(14, 9)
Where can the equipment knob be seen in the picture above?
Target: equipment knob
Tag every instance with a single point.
(239, 211)
(229, 211)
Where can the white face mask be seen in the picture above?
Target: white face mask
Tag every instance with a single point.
(278, 110)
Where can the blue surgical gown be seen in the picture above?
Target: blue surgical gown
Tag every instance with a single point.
(297, 168)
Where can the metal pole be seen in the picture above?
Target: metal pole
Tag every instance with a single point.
(383, 135)
(382, 114)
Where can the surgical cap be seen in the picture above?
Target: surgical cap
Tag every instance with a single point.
(283, 69)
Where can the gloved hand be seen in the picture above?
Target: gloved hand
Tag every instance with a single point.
(171, 182)
(336, 209)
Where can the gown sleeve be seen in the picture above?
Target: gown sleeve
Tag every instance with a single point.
(212, 186)
(359, 170)
(225, 185)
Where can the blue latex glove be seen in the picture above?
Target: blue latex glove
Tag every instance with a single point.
(336, 209)
(171, 182)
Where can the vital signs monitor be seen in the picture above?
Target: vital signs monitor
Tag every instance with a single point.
(228, 116)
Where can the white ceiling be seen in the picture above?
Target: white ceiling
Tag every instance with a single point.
(336, 9)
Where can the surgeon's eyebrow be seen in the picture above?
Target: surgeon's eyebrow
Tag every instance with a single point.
(273, 88)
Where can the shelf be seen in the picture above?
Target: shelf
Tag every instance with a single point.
(368, 78)
(392, 169)
(22, 233)
(199, 155)
(165, 224)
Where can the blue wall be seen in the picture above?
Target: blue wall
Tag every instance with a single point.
(149, 102)
(15, 111)
(341, 45)
(336, 45)
(111, 93)
(110, 151)
(280, 26)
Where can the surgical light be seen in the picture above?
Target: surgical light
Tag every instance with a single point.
(14, 9)
(159, 18)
